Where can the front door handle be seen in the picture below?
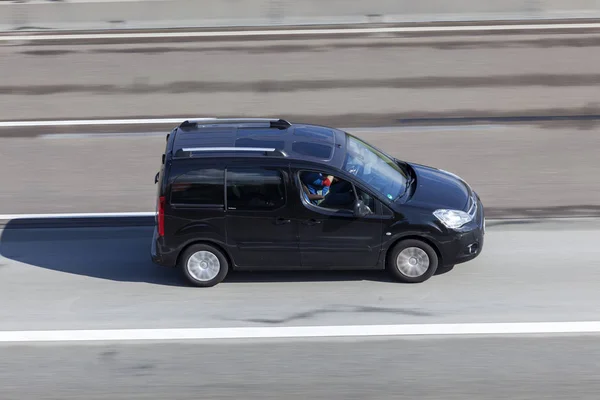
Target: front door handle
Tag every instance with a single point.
(312, 221)
(282, 221)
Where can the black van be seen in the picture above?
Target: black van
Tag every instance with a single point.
(257, 194)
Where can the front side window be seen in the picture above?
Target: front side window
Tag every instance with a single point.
(256, 189)
(202, 187)
(375, 169)
(332, 193)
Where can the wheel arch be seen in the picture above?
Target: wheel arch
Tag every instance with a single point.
(424, 239)
(210, 243)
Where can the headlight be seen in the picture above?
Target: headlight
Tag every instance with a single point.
(453, 218)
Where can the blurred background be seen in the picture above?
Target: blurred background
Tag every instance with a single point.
(503, 93)
(512, 110)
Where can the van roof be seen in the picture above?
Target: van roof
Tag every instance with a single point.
(258, 137)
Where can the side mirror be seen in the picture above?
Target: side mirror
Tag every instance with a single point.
(361, 210)
(156, 178)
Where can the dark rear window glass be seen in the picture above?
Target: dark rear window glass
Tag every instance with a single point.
(318, 150)
(257, 189)
(199, 187)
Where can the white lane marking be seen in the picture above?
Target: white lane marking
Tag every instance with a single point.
(76, 215)
(302, 332)
(299, 32)
(96, 122)
(103, 135)
(102, 122)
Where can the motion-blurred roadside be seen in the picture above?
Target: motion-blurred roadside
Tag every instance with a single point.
(524, 105)
(111, 14)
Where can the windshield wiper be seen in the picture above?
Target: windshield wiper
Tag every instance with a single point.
(409, 181)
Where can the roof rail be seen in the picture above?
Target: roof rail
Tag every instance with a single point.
(268, 151)
(257, 122)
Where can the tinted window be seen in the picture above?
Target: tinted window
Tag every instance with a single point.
(199, 187)
(260, 142)
(258, 132)
(315, 132)
(313, 149)
(255, 189)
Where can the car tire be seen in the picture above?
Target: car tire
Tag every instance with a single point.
(412, 261)
(203, 265)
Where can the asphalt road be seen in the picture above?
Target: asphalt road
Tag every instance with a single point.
(336, 80)
(537, 167)
(101, 278)
(436, 369)
(519, 171)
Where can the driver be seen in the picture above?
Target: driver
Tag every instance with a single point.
(341, 195)
(316, 181)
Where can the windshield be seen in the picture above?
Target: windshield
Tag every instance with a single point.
(375, 169)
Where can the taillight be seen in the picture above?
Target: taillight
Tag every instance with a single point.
(161, 216)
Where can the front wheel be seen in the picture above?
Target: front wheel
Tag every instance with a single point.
(412, 261)
(204, 265)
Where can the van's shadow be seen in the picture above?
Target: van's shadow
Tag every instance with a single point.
(117, 254)
(122, 254)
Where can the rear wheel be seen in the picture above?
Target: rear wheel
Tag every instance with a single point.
(204, 265)
(412, 261)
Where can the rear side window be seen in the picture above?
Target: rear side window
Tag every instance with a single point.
(256, 189)
(202, 187)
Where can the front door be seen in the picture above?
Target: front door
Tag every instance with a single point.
(331, 236)
(261, 230)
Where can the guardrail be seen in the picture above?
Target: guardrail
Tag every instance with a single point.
(153, 14)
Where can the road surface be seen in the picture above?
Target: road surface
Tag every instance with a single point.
(432, 369)
(342, 81)
(102, 279)
(521, 167)
(519, 171)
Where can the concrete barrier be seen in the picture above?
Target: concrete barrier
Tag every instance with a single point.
(149, 14)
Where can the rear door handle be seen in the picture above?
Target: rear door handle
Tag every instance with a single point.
(312, 221)
(282, 221)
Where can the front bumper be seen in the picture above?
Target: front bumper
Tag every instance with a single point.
(467, 244)
(467, 247)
